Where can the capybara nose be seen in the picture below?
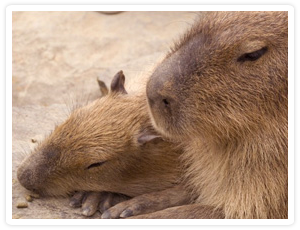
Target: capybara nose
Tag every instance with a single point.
(155, 99)
(155, 95)
(26, 178)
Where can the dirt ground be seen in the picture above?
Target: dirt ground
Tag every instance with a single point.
(57, 57)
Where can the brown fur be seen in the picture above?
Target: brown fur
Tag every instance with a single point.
(191, 211)
(108, 145)
(229, 110)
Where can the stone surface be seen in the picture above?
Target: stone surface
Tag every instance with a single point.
(57, 57)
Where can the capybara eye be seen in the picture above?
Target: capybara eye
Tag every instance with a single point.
(96, 165)
(253, 56)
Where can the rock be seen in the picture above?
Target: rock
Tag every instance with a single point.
(22, 205)
(28, 198)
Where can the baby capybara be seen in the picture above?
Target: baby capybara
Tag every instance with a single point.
(108, 145)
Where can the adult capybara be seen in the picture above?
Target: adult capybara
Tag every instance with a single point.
(108, 145)
(222, 91)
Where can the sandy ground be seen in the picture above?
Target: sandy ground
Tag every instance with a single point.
(56, 59)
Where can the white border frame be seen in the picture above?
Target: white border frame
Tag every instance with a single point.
(9, 11)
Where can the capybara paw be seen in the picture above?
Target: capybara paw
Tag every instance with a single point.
(88, 201)
(126, 209)
(111, 199)
(76, 199)
(91, 202)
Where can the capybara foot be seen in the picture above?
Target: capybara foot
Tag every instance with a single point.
(91, 202)
(148, 203)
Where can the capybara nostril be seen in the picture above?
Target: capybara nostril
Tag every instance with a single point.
(166, 102)
(158, 101)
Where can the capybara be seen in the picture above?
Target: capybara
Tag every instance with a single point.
(222, 92)
(108, 145)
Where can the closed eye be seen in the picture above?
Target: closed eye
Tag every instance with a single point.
(95, 165)
(253, 56)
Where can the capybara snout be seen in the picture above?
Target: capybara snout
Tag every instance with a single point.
(25, 177)
(31, 174)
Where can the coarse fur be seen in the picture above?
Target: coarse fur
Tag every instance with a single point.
(107, 145)
(222, 91)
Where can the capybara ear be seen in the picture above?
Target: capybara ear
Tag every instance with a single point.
(117, 83)
(103, 87)
(148, 137)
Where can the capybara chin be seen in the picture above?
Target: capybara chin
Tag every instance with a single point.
(107, 145)
(223, 92)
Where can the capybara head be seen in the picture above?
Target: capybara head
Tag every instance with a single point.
(224, 78)
(103, 146)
